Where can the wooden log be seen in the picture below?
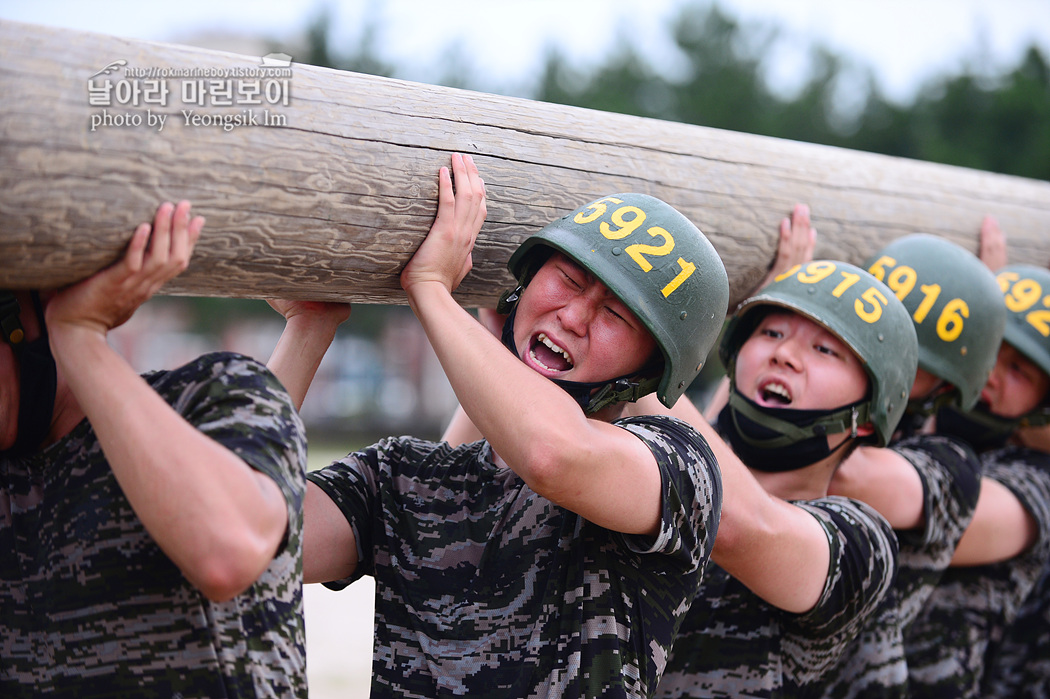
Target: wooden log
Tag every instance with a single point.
(331, 192)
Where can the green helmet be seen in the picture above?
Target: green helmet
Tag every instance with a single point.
(955, 304)
(658, 264)
(858, 309)
(1026, 291)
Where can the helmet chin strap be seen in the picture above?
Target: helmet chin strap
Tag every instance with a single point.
(844, 419)
(619, 390)
(785, 439)
(933, 401)
(10, 326)
(1037, 418)
(591, 396)
(980, 415)
(37, 376)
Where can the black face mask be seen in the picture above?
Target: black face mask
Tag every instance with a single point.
(767, 447)
(979, 428)
(38, 380)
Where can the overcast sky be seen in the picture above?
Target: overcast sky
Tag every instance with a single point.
(904, 41)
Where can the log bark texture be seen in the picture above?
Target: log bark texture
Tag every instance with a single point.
(329, 202)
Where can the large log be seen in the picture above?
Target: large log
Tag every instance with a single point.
(329, 200)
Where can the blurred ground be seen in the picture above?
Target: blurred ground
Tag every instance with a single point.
(339, 640)
(338, 624)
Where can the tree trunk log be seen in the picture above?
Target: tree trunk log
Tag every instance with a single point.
(331, 200)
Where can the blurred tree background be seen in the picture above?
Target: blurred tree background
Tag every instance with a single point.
(995, 121)
(978, 117)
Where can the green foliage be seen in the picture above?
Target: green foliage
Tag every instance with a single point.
(995, 123)
(210, 316)
(625, 85)
(362, 58)
(1002, 124)
(724, 88)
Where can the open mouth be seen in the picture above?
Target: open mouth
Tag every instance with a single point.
(774, 393)
(549, 355)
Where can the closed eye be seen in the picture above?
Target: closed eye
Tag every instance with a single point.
(1023, 371)
(623, 314)
(570, 281)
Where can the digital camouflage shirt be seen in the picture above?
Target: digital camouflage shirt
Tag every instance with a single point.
(89, 604)
(1021, 667)
(966, 616)
(874, 665)
(485, 588)
(734, 644)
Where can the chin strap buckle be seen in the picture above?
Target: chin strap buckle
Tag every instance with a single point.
(9, 324)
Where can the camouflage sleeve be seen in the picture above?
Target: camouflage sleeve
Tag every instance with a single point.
(951, 480)
(979, 603)
(352, 484)
(1027, 474)
(1021, 666)
(239, 403)
(692, 490)
(860, 576)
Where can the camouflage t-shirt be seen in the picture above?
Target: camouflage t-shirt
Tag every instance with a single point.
(965, 617)
(484, 587)
(1021, 667)
(89, 604)
(874, 665)
(734, 644)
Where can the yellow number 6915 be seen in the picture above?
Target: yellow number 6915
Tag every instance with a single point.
(877, 300)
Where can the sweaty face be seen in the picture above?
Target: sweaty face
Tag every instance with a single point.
(791, 362)
(1016, 386)
(570, 326)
